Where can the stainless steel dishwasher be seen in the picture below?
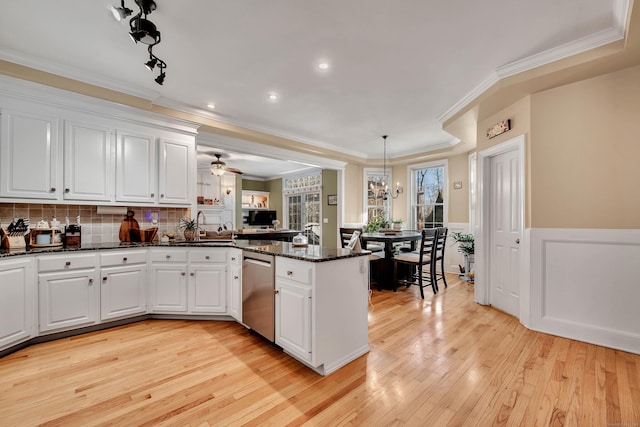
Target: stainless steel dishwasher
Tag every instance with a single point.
(258, 297)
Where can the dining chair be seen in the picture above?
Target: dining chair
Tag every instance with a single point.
(375, 259)
(424, 257)
(439, 256)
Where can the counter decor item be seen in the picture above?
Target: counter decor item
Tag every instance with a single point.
(300, 240)
(129, 229)
(13, 236)
(189, 228)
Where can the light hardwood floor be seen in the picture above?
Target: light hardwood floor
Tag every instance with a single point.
(441, 361)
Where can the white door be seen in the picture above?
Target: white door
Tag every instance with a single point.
(505, 232)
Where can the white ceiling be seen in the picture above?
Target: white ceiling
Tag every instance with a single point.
(396, 68)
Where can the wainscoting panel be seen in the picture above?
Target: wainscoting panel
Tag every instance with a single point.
(585, 284)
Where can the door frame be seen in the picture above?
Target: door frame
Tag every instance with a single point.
(482, 292)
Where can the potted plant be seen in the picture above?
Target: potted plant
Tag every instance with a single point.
(375, 224)
(466, 246)
(397, 224)
(189, 228)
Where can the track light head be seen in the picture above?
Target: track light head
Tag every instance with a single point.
(144, 31)
(121, 12)
(151, 63)
(160, 78)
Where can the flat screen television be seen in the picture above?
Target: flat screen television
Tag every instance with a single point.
(260, 217)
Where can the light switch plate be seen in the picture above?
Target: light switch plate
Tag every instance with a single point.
(325, 220)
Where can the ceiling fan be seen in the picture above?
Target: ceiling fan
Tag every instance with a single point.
(218, 167)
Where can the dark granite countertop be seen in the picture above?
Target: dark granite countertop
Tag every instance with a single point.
(312, 253)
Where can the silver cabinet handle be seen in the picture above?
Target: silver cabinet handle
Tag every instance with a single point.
(53, 189)
(207, 257)
(168, 256)
(90, 282)
(68, 263)
(289, 273)
(192, 274)
(183, 274)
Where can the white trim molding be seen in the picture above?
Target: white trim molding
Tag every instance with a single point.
(585, 285)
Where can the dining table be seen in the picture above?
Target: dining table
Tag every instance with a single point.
(388, 238)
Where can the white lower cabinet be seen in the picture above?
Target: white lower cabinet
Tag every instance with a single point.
(235, 284)
(69, 295)
(190, 281)
(293, 318)
(168, 281)
(208, 281)
(18, 301)
(321, 311)
(123, 284)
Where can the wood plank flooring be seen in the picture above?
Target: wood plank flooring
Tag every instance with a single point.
(438, 362)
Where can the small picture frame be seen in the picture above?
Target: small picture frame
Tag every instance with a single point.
(332, 199)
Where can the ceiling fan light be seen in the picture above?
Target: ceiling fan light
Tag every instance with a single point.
(217, 171)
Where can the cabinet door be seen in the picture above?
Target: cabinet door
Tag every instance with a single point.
(68, 300)
(123, 291)
(28, 155)
(174, 172)
(235, 292)
(135, 167)
(18, 302)
(168, 285)
(207, 289)
(88, 162)
(293, 318)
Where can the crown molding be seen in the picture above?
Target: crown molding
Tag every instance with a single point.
(23, 90)
(84, 76)
(613, 34)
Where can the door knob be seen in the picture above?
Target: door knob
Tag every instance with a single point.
(518, 241)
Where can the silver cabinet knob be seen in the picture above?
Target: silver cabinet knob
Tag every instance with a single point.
(518, 241)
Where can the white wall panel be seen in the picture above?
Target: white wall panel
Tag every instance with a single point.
(585, 284)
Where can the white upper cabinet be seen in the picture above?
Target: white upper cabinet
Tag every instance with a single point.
(28, 155)
(174, 172)
(135, 167)
(89, 154)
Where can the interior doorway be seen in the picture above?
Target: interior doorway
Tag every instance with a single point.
(499, 261)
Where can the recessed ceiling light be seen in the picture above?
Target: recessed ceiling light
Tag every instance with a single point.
(273, 97)
(323, 65)
(211, 105)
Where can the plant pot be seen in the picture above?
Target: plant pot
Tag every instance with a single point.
(189, 234)
(397, 226)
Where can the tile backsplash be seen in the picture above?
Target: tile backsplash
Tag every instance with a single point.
(95, 228)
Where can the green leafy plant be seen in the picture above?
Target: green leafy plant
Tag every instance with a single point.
(375, 224)
(188, 224)
(466, 243)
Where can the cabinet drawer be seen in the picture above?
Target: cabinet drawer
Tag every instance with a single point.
(208, 255)
(66, 262)
(298, 272)
(169, 255)
(123, 258)
(235, 257)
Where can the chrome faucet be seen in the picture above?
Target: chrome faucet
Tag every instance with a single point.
(198, 224)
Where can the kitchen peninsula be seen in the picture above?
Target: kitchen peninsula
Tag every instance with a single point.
(321, 294)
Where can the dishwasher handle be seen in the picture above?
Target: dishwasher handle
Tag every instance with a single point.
(257, 262)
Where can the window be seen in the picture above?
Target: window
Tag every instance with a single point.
(302, 198)
(428, 195)
(375, 202)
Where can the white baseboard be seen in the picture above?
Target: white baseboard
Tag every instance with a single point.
(585, 285)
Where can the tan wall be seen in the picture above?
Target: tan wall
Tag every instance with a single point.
(458, 168)
(353, 196)
(520, 115)
(274, 187)
(330, 228)
(399, 205)
(585, 153)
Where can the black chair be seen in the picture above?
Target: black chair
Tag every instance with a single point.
(425, 256)
(439, 256)
(375, 259)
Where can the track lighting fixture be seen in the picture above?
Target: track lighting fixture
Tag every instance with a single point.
(144, 31)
